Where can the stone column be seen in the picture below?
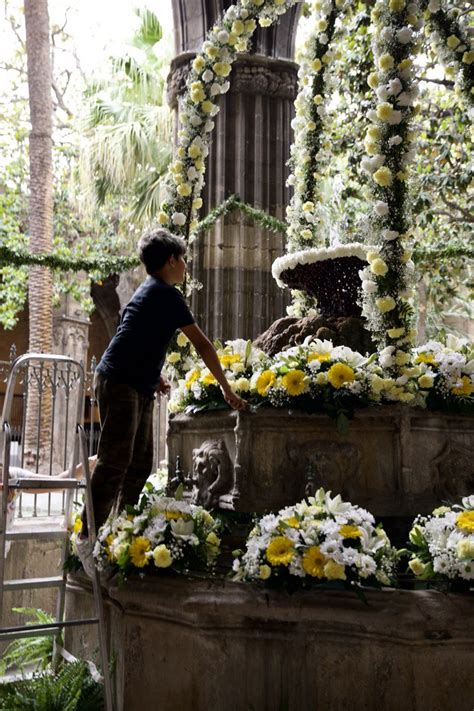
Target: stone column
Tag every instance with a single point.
(248, 155)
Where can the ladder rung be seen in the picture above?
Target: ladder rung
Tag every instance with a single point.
(45, 630)
(52, 533)
(33, 583)
(46, 483)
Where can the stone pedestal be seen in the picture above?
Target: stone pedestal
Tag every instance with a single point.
(192, 645)
(395, 461)
(248, 155)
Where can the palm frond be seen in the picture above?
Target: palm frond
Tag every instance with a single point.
(150, 31)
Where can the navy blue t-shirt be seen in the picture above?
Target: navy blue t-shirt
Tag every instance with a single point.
(136, 353)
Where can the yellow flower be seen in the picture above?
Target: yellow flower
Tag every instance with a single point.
(453, 41)
(348, 531)
(222, 69)
(77, 525)
(334, 571)
(212, 52)
(396, 5)
(374, 132)
(465, 548)
(238, 27)
(384, 111)
(197, 203)
(339, 374)
(308, 206)
(192, 378)
(207, 107)
(425, 381)
(213, 540)
(417, 566)
(292, 522)
(185, 189)
(318, 99)
(322, 357)
(137, 551)
(322, 25)
(465, 521)
(405, 64)
(316, 65)
(194, 151)
(386, 62)
(468, 57)
(209, 379)
(173, 515)
(197, 95)
(293, 382)
(162, 556)
(402, 175)
(425, 358)
(314, 561)
(402, 358)
(280, 551)
(265, 381)
(371, 147)
(385, 303)
(467, 388)
(383, 177)
(378, 267)
(440, 510)
(181, 340)
(173, 357)
(228, 358)
(264, 572)
(199, 64)
(264, 22)
(250, 25)
(396, 332)
(373, 80)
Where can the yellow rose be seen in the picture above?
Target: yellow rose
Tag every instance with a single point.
(182, 340)
(212, 52)
(250, 25)
(238, 27)
(371, 147)
(207, 106)
(402, 175)
(322, 25)
(162, 556)
(402, 358)
(318, 99)
(163, 218)
(197, 203)
(222, 69)
(384, 111)
(465, 548)
(396, 5)
(199, 64)
(264, 572)
(308, 206)
(468, 57)
(321, 379)
(386, 62)
(385, 303)
(373, 80)
(334, 571)
(425, 381)
(383, 176)
(173, 357)
(396, 332)
(194, 151)
(378, 267)
(416, 566)
(197, 95)
(316, 65)
(185, 189)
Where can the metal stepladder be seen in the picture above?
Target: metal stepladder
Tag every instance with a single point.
(50, 376)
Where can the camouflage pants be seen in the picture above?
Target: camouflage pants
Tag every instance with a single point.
(125, 453)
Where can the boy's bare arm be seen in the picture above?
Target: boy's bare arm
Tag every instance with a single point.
(208, 353)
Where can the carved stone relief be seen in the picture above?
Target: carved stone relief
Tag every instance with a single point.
(452, 472)
(212, 473)
(334, 466)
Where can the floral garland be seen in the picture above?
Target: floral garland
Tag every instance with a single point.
(321, 540)
(303, 211)
(442, 544)
(391, 148)
(207, 80)
(452, 45)
(319, 377)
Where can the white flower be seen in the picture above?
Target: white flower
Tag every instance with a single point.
(395, 117)
(405, 99)
(405, 35)
(381, 208)
(370, 287)
(178, 218)
(394, 86)
(223, 36)
(390, 235)
(208, 75)
(215, 89)
(382, 92)
(434, 6)
(387, 34)
(195, 120)
(395, 140)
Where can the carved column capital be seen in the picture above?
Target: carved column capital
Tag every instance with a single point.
(251, 74)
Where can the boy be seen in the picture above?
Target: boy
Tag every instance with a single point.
(129, 374)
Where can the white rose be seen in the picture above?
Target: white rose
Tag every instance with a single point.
(395, 86)
(215, 89)
(223, 36)
(390, 235)
(225, 86)
(195, 120)
(208, 127)
(405, 99)
(381, 208)
(395, 117)
(382, 92)
(387, 34)
(178, 218)
(405, 35)
(208, 75)
(395, 140)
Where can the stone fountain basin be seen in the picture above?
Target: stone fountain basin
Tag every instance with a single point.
(395, 461)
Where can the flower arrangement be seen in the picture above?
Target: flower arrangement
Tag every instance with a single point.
(442, 544)
(159, 533)
(391, 147)
(452, 44)
(319, 377)
(310, 256)
(319, 540)
(207, 80)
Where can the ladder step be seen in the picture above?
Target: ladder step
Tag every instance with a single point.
(28, 583)
(46, 483)
(45, 630)
(47, 534)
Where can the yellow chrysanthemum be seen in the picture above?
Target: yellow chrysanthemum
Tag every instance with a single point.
(280, 551)
(138, 550)
(265, 381)
(465, 521)
(314, 561)
(467, 388)
(383, 176)
(339, 374)
(322, 357)
(293, 382)
(292, 522)
(348, 531)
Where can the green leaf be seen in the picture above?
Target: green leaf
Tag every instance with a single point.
(178, 494)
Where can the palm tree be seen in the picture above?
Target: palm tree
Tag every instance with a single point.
(40, 287)
(128, 126)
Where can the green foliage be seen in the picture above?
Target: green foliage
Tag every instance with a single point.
(70, 689)
(29, 651)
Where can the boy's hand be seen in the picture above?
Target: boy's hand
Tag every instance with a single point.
(236, 402)
(164, 386)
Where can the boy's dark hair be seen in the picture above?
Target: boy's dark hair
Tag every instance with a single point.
(157, 246)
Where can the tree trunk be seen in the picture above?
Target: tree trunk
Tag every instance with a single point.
(40, 205)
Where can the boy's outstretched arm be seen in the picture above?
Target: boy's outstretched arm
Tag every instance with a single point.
(208, 353)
